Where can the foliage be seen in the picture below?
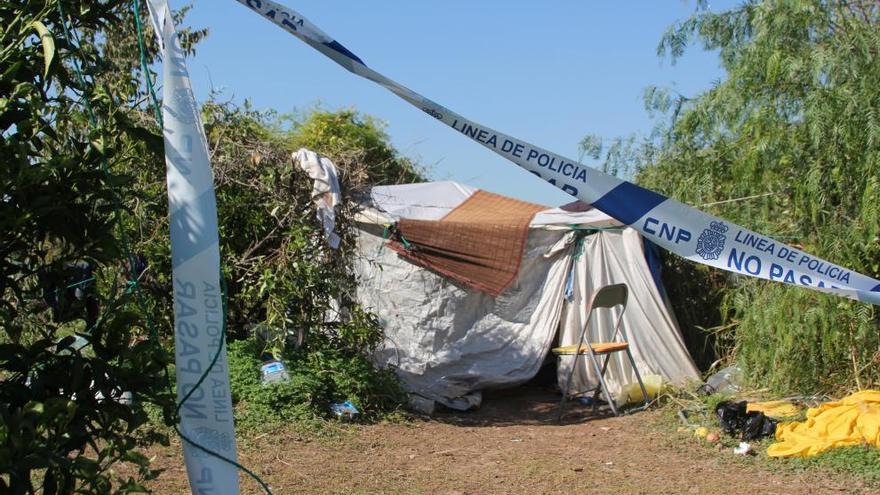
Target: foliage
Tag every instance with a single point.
(352, 138)
(319, 376)
(73, 194)
(261, 406)
(65, 143)
(281, 270)
(84, 257)
(787, 144)
(862, 461)
(285, 284)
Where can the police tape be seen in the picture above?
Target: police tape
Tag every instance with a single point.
(679, 228)
(206, 414)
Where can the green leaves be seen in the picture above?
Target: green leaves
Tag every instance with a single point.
(63, 423)
(48, 43)
(790, 135)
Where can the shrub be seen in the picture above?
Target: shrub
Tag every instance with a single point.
(787, 143)
(72, 339)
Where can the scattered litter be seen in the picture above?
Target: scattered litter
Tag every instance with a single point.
(585, 401)
(274, 372)
(713, 437)
(733, 418)
(683, 415)
(605, 428)
(631, 393)
(609, 463)
(344, 411)
(701, 432)
(727, 381)
(743, 449)
(516, 439)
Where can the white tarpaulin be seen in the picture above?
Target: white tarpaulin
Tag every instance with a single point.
(657, 346)
(450, 341)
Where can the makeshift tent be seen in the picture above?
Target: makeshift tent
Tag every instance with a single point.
(449, 336)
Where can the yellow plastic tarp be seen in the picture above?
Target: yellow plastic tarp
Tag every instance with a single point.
(853, 420)
(773, 408)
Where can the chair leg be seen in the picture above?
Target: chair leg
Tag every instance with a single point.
(639, 378)
(602, 383)
(567, 386)
(597, 390)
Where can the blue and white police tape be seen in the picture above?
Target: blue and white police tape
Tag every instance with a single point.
(679, 228)
(206, 415)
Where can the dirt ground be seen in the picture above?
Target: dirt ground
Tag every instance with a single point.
(513, 444)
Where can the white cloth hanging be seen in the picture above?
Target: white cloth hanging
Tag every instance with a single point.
(325, 190)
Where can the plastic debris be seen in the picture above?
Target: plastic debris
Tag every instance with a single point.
(743, 449)
(273, 372)
(344, 411)
(71, 344)
(727, 381)
(733, 418)
(631, 393)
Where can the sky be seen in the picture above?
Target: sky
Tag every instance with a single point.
(548, 73)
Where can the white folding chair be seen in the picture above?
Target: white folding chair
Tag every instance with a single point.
(607, 297)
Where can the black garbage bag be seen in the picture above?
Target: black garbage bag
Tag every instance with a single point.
(731, 415)
(758, 425)
(734, 418)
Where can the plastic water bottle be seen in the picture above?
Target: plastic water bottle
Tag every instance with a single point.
(274, 372)
(344, 411)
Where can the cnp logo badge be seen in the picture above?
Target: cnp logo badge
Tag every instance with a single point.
(711, 241)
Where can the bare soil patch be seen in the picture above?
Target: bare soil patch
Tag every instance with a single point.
(513, 444)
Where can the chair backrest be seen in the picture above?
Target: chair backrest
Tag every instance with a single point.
(607, 297)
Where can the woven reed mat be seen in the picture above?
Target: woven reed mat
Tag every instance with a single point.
(480, 243)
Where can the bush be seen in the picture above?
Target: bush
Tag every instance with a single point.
(78, 193)
(289, 294)
(787, 143)
(72, 338)
(261, 406)
(803, 341)
(319, 376)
